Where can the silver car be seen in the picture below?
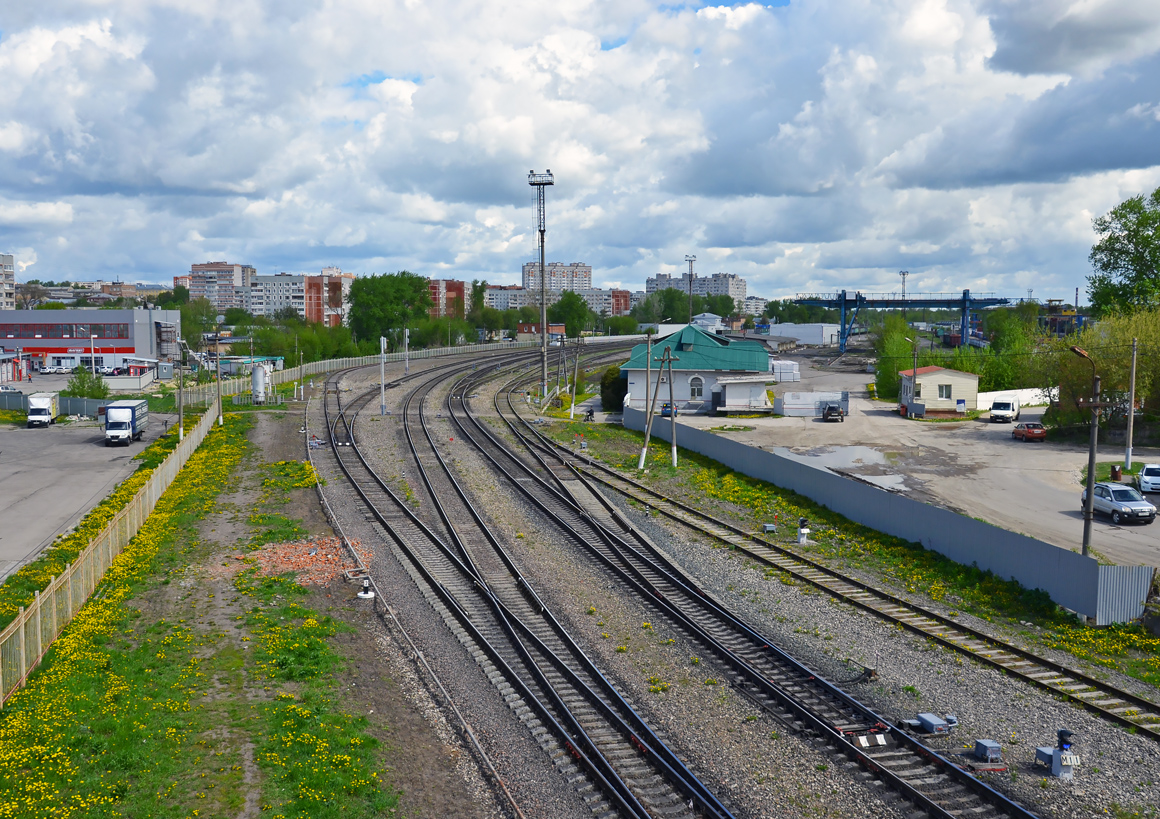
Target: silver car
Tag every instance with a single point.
(1148, 479)
(1121, 503)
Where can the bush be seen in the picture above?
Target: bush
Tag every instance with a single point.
(613, 388)
(85, 384)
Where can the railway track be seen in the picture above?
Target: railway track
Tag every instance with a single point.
(601, 741)
(1099, 697)
(778, 683)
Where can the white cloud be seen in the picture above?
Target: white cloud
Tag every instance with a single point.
(812, 146)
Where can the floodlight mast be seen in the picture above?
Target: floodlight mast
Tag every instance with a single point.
(690, 260)
(539, 181)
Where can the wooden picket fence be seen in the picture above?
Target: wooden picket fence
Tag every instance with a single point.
(27, 638)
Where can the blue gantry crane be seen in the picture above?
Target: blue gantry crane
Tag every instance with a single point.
(848, 304)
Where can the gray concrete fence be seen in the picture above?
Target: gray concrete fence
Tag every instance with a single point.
(1109, 594)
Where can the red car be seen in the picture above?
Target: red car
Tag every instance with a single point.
(1029, 432)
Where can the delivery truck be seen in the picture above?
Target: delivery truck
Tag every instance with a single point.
(43, 407)
(125, 421)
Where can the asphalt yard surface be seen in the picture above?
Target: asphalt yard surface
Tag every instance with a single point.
(973, 467)
(51, 477)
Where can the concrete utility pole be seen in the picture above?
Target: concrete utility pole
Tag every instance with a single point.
(539, 181)
(382, 376)
(406, 351)
(1089, 500)
(672, 406)
(1131, 410)
(180, 391)
(218, 359)
(575, 380)
(666, 358)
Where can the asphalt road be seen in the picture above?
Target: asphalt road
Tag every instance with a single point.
(50, 477)
(974, 467)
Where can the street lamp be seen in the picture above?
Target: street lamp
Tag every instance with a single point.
(1089, 500)
(914, 371)
(92, 353)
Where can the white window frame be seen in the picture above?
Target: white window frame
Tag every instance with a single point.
(945, 392)
(700, 395)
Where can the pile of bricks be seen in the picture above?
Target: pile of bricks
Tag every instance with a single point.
(315, 561)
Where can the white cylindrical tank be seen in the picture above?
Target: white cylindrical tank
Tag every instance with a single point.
(258, 381)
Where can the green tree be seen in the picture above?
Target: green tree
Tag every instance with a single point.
(197, 316)
(384, 305)
(721, 305)
(1127, 256)
(172, 299)
(613, 388)
(573, 311)
(84, 384)
(621, 325)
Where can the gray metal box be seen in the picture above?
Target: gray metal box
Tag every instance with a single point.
(988, 750)
(933, 724)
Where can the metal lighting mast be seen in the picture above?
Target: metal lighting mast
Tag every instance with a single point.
(690, 260)
(904, 274)
(539, 181)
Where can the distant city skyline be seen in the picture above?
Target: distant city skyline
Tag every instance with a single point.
(800, 146)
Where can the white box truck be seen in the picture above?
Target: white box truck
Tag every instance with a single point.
(43, 407)
(125, 421)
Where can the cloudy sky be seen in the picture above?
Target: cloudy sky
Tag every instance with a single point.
(805, 145)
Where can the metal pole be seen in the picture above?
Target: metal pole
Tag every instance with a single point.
(543, 306)
(218, 359)
(575, 380)
(1089, 501)
(649, 419)
(647, 372)
(1131, 410)
(673, 407)
(180, 395)
(406, 351)
(92, 353)
(382, 376)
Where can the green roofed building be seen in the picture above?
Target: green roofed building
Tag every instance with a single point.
(706, 364)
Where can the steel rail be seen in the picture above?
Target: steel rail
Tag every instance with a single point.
(799, 691)
(1096, 696)
(617, 710)
(343, 441)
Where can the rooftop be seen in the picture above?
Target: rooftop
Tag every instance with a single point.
(694, 349)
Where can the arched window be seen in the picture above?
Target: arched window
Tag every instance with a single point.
(696, 387)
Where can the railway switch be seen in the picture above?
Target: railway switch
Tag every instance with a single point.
(769, 528)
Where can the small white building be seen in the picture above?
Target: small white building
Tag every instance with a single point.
(939, 390)
(737, 371)
(709, 322)
(816, 335)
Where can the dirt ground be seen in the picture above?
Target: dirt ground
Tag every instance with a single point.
(421, 757)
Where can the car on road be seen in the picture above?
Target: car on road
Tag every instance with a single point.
(8, 388)
(1005, 410)
(1148, 478)
(1029, 432)
(667, 410)
(1121, 503)
(833, 412)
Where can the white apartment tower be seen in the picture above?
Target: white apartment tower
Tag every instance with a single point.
(719, 284)
(7, 281)
(575, 276)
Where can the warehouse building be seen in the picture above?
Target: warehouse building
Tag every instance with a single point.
(71, 338)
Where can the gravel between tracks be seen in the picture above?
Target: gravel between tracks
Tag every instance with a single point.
(528, 772)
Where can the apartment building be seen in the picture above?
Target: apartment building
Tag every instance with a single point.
(327, 296)
(7, 281)
(225, 284)
(513, 297)
(576, 276)
(755, 306)
(448, 298)
(607, 302)
(719, 284)
(270, 294)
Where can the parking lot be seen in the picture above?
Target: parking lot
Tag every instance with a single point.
(52, 477)
(973, 467)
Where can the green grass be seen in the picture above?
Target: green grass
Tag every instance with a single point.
(274, 527)
(971, 415)
(1104, 470)
(842, 544)
(17, 417)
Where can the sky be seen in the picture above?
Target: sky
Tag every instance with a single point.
(805, 146)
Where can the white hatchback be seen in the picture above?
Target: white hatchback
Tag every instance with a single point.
(1148, 479)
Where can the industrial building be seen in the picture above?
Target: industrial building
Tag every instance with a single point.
(815, 335)
(710, 371)
(71, 338)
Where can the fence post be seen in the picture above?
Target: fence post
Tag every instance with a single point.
(55, 593)
(39, 636)
(23, 645)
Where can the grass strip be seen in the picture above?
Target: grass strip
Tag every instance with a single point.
(843, 544)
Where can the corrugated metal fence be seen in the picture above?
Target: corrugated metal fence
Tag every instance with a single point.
(26, 639)
(67, 405)
(1110, 594)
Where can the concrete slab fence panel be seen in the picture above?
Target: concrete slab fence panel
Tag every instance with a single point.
(1073, 581)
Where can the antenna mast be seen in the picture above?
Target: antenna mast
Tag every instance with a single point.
(539, 181)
